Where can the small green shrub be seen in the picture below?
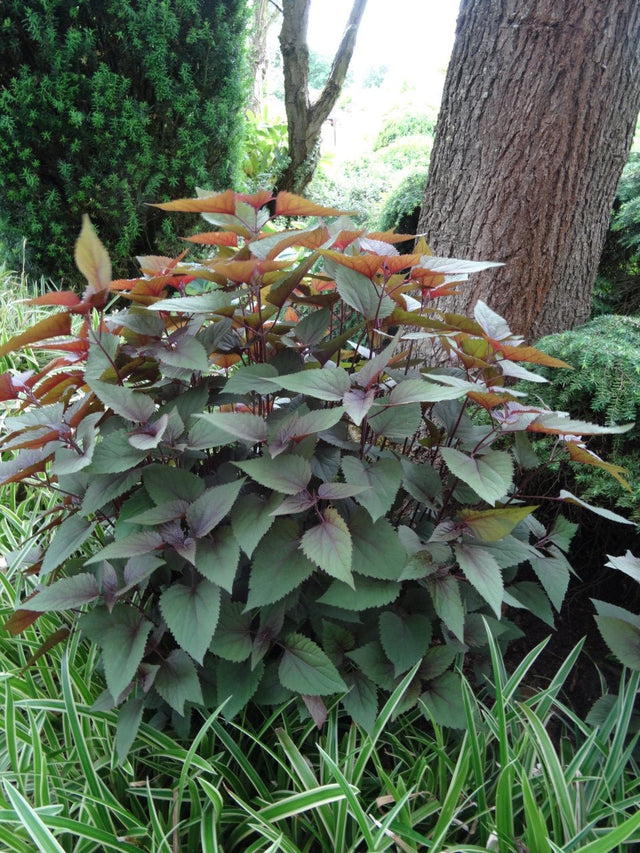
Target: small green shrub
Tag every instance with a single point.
(105, 106)
(266, 150)
(604, 386)
(401, 124)
(401, 207)
(259, 499)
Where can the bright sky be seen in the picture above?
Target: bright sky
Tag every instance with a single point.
(413, 37)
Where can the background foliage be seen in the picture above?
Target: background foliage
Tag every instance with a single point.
(107, 105)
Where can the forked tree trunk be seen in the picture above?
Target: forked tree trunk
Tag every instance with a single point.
(305, 119)
(539, 108)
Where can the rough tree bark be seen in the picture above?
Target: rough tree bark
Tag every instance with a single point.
(262, 16)
(539, 107)
(305, 119)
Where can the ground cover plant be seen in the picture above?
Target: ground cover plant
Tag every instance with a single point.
(262, 492)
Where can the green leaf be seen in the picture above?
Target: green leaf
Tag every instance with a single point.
(232, 639)
(483, 572)
(367, 592)
(359, 292)
(217, 558)
(125, 402)
(328, 544)
(361, 702)
(395, 422)
(531, 597)
(161, 514)
(367, 374)
(251, 518)
(191, 613)
(314, 327)
(382, 480)
(628, 564)
(241, 425)
(261, 378)
(129, 719)
(623, 639)
(443, 699)
(131, 546)
(69, 461)
(211, 507)
(236, 683)
(205, 304)
(553, 572)
(493, 524)
(104, 488)
(377, 550)
(489, 476)
(123, 644)
(306, 669)
(420, 480)
(319, 383)
(288, 474)
(115, 454)
(405, 639)
(373, 662)
(419, 391)
(279, 565)
(447, 602)
(177, 681)
(357, 402)
(68, 537)
(65, 594)
(436, 661)
(166, 483)
(186, 352)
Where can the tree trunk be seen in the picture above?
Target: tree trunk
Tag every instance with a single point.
(305, 119)
(262, 16)
(539, 108)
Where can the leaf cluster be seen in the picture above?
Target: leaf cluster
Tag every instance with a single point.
(263, 491)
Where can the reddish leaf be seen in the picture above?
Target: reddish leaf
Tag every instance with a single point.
(305, 239)
(159, 264)
(579, 453)
(489, 400)
(214, 238)
(50, 327)
(56, 297)
(243, 271)
(52, 640)
(27, 462)
(531, 354)
(8, 390)
(366, 264)
(256, 200)
(20, 621)
(288, 204)
(397, 263)
(390, 237)
(345, 238)
(92, 259)
(221, 203)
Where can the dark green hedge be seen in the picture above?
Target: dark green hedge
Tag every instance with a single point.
(106, 105)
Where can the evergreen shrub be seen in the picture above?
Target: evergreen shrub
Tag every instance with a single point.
(260, 499)
(401, 207)
(106, 105)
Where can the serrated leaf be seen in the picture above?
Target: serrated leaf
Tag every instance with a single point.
(66, 593)
(377, 549)
(361, 702)
(51, 327)
(92, 259)
(104, 488)
(305, 668)
(629, 564)
(261, 378)
(623, 639)
(494, 524)
(242, 425)
(177, 681)
(138, 569)
(288, 474)
(289, 204)
(436, 661)
(279, 565)
(217, 558)
(553, 572)
(328, 545)
(211, 507)
(129, 404)
(369, 372)
(405, 639)
(164, 483)
(68, 461)
(483, 572)
(319, 383)
(168, 511)
(191, 613)
(420, 391)
(531, 597)
(232, 639)
(373, 662)
(357, 402)
(185, 352)
(443, 701)
(366, 593)
(114, 454)
(142, 542)
(421, 481)
(382, 480)
(338, 491)
(129, 719)
(314, 327)
(359, 291)
(207, 303)
(236, 684)
(555, 424)
(489, 476)
(123, 644)
(447, 602)
(68, 537)
(395, 422)
(251, 518)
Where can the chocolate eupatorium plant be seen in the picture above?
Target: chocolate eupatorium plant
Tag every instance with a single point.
(264, 489)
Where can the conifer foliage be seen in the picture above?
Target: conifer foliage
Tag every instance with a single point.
(105, 105)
